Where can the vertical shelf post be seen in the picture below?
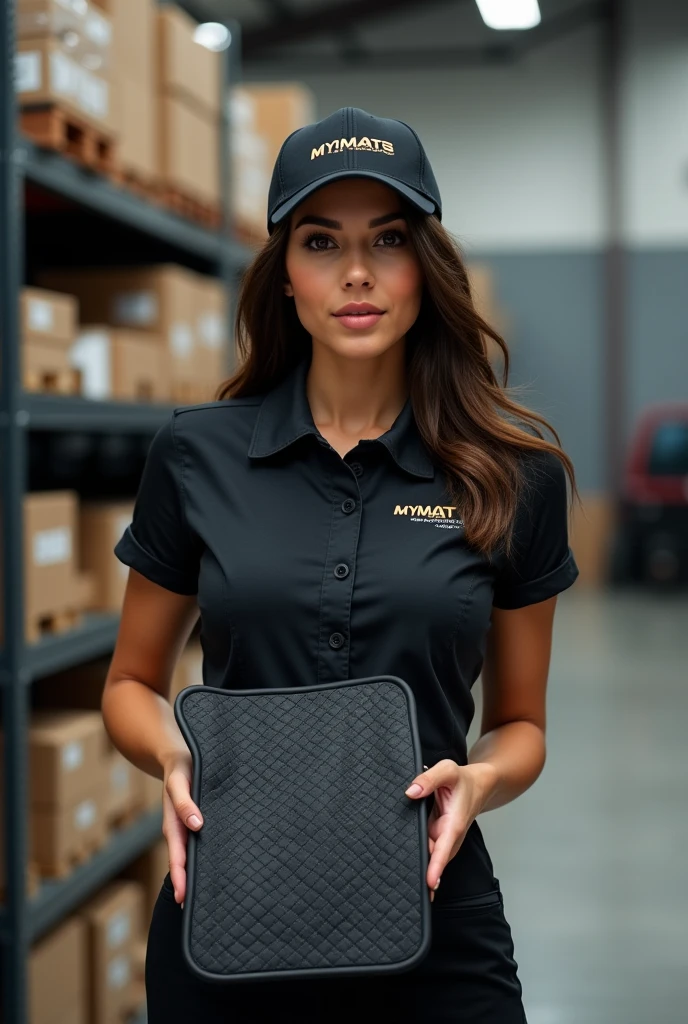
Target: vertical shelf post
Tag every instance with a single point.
(13, 681)
(230, 272)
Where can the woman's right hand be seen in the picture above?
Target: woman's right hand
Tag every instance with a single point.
(179, 812)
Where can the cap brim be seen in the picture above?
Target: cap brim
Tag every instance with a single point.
(416, 198)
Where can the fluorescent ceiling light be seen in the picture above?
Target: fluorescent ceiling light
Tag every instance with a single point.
(504, 14)
(213, 35)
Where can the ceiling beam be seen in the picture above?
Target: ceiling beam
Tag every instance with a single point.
(393, 60)
(331, 18)
(554, 28)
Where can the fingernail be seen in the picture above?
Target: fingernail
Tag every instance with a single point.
(194, 821)
(437, 884)
(182, 905)
(414, 790)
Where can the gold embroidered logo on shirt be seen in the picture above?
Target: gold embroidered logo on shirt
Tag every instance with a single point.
(439, 515)
(364, 145)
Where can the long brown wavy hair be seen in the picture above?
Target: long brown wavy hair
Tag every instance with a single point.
(468, 419)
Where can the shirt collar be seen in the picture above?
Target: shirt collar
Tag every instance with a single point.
(285, 415)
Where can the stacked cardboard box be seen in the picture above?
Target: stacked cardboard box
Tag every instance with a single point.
(121, 365)
(101, 524)
(127, 790)
(114, 926)
(211, 327)
(261, 118)
(67, 789)
(58, 975)
(64, 58)
(99, 362)
(135, 102)
(55, 590)
(189, 109)
(184, 310)
(48, 329)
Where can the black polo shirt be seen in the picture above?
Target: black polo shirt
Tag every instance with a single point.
(311, 568)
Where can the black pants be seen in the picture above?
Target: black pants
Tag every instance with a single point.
(469, 976)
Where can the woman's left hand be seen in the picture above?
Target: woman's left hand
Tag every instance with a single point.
(460, 793)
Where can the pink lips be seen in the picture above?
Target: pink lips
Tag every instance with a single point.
(358, 315)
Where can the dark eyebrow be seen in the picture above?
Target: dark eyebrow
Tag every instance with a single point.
(325, 222)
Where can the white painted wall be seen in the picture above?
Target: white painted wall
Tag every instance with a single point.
(655, 156)
(518, 151)
(515, 150)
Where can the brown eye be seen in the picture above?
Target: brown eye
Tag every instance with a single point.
(392, 239)
(316, 237)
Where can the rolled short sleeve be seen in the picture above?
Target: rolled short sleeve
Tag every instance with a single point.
(541, 562)
(158, 542)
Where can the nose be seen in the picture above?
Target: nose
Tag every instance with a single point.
(357, 273)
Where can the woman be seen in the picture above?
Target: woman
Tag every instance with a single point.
(362, 498)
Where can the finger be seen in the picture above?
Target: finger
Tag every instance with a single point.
(441, 855)
(441, 774)
(175, 833)
(179, 790)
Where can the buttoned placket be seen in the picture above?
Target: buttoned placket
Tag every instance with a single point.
(339, 570)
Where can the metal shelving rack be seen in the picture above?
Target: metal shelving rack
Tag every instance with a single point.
(23, 919)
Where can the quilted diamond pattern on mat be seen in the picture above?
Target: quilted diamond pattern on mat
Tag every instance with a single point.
(310, 855)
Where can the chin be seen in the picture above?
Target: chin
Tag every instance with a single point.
(360, 347)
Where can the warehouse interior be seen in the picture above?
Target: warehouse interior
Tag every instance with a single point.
(137, 141)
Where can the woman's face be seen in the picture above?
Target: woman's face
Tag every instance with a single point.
(348, 245)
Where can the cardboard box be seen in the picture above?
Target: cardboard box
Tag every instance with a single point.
(114, 921)
(278, 110)
(212, 330)
(158, 299)
(65, 755)
(123, 365)
(189, 150)
(58, 975)
(149, 871)
(120, 797)
(101, 524)
(134, 87)
(48, 316)
(36, 19)
(135, 120)
(84, 30)
(591, 533)
(50, 559)
(45, 366)
(187, 70)
(261, 118)
(134, 40)
(63, 837)
(45, 73)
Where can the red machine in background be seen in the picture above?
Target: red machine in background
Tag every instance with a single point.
(651, 541)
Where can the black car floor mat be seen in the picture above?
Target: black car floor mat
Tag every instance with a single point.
(311, 860)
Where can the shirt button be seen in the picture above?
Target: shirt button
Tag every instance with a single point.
(341, 570)
(357, 468)
(336, 640)
(348, 505)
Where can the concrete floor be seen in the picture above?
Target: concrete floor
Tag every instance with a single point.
(593, 859)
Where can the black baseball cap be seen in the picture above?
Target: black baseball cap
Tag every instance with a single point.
(351, 143)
